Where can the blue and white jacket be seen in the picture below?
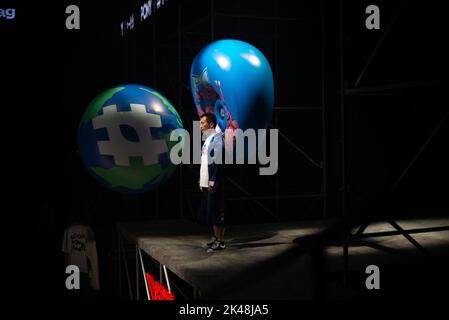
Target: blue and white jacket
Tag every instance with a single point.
(215, 170)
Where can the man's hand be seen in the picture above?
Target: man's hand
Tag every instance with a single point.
(210, 189)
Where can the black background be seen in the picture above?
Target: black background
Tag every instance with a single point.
(50, 74)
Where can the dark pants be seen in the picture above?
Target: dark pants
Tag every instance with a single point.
(211, 211)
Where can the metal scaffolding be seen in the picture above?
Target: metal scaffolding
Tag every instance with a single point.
(359, 236)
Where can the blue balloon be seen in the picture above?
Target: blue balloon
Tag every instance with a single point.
(233, 80)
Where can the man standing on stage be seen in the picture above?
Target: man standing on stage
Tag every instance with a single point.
(211, 181)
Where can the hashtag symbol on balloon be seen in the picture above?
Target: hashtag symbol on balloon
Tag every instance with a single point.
(121, 148)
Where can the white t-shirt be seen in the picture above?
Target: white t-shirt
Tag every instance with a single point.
(75, 244)
(204, 169)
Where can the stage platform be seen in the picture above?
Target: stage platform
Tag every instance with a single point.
(179, 245)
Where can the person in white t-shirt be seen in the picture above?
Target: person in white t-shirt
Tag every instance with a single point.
(211, 181)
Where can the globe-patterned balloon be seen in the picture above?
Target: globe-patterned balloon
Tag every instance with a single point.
(124, 138)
